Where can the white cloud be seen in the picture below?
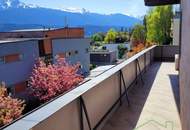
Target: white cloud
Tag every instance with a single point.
(75, 10)
(136, 8)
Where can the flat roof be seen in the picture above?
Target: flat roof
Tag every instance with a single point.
(31, 30)
(101, 52)
(10, 40)
(44, 29)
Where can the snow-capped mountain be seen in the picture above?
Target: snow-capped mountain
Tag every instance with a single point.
(7, 4)
(16, 15)
(75, 10)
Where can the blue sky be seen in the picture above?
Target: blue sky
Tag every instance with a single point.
(129, 7)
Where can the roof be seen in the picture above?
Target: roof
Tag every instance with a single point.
(160, 2)
(32, 30)
(102, 52)
(44, 29)
(10, 40)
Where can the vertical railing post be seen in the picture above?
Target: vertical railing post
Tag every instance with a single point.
(120, 88)
(140, 71)
(136, 71)
(81, 115)
(125, 87)
(84, 109)
(145, 62)
(161, 53)
(150, 57)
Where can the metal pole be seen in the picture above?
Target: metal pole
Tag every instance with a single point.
(125, 87)
(83, 107)
(81, 115)
(145, 62)
(140, 71)
(120, 88)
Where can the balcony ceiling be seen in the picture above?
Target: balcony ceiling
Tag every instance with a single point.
(160, 2)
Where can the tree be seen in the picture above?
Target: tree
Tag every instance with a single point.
(98, 37)
(122, 50)
(50, 81)
(110, 36)
(138, 34)
(10, 109)
(159, 24)
(122, 37)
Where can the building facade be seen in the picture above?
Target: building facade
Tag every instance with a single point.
(18, 55)
(103, 57)
(74, 50)
(114, 47)
(17, 58)
(46, 33)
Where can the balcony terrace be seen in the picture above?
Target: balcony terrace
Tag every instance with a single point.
(157, 100)
(124, 97)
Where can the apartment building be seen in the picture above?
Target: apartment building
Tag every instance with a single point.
(18, 53)
(103, 57)
(47, 33)
(74, 50)
(17, 57)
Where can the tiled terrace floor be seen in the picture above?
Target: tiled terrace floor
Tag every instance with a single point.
(152, 107)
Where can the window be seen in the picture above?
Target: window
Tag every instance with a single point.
(20, 87)
(87, 50)
(76, 52)
(21, 57)
(61, 55)
(66, 54)
(12, 58)
(1, 60)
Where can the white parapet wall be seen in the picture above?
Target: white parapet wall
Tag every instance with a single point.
(99, 94)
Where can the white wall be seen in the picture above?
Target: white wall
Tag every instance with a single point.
(18, 71)
(114, 47)
(185, 66)
(81, 45)
(176, 29)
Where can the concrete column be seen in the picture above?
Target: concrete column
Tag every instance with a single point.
(185, 66)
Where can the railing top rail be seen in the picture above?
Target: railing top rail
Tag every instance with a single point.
(28, 122)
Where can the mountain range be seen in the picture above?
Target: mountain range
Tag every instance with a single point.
(15, 15)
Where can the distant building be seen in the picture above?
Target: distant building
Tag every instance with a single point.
(103, 57)
(74, 50)
(18, 55)
(17, 58)
(45, 33)
(70, 39)
(114, 47)
(176, 28)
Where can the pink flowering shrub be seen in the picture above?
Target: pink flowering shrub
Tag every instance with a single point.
(10, 108)
(49, 81)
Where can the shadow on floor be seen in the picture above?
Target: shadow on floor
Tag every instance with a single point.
(174, 80)
(126, 117)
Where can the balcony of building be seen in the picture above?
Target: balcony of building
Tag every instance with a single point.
(153, 104)
(140, 93)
